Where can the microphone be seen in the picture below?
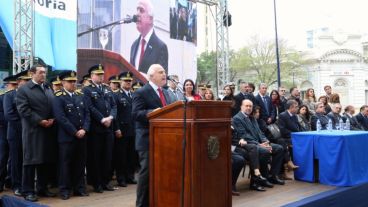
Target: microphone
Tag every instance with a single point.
(177, 83)
(129, 19)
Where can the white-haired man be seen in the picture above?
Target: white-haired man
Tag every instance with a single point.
(146, 99)
(148, 49)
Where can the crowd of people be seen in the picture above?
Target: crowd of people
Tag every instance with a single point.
(73, 136)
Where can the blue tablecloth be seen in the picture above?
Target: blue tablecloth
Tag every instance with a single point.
(342, 155)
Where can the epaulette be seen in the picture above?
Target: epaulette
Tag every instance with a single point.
(78, 92)
(59, 93)
(7, 91)
(55, 92)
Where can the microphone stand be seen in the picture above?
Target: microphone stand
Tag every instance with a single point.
(184, 141)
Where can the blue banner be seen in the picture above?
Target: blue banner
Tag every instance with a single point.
(55, 35)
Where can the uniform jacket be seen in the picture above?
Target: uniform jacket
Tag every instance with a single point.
(72, 114)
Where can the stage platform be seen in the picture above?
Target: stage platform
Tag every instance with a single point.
(125, 197)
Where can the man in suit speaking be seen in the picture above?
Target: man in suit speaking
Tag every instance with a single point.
(145, 100)
(148, 49)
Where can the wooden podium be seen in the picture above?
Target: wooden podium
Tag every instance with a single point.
(208, 155)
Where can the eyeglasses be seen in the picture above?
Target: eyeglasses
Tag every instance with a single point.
(283, 90)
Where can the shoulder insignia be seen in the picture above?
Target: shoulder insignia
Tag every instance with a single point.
(7, 91)
(78, 92)
(58, 93)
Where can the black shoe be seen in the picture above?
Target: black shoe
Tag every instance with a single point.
(98, 189)
(18, 192)
(257, 187)
(108, 188)
(81, 193)
(31, 198)
(65, 196)
(276, 180)
(46, 193)
(259, 180)
(122, 184)
(131, 181)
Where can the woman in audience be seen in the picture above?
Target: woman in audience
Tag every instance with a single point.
(324, 99)
(304, 118)
(229, 93)
(334, 98)
(310, 100)
(276, 104)
(208, 95)
(229, 96)
(189, 88)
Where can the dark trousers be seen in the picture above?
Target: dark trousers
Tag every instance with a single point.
(125, 158)
(120, 159)
(99, 158)
(237, 164)
(72, 162)
(277, 155)
(143, 180)
(28, 179)
(4, 155)
(250, 152)
(15, 153)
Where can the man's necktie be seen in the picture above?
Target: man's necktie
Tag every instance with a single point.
(162, 97)
(265, 104)
(129, 95)
(143, 43)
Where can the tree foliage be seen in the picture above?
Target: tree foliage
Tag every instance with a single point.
(256, 62)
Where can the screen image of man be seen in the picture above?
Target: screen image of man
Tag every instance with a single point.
(148, 49)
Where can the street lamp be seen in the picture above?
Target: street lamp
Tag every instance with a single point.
(277, 47)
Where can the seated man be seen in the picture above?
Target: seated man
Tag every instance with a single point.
(319, 115)
(362, 117)
(288, 122)
(248, 130)
(334, 115)
(250, 152)
(348, 114)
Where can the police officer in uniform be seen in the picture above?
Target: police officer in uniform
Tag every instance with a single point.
(73, 117)
(101, 139)
(14, 133)
(127, 125)
(86, 80)
(56, 84)
(11, 84)
(137, 85)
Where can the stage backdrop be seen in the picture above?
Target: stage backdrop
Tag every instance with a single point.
(55, 35)
(181, 49)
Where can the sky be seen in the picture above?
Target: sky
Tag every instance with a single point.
(294, 18)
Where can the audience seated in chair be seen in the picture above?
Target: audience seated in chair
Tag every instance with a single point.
(248, 130)
(320, 115)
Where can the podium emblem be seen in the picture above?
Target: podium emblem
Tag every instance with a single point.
(213, 147)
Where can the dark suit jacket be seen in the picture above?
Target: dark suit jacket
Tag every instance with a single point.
(145, 100)
(247, 129)
(362, 121)
(34, 105)
(155, 53)
(270, 112)
(322, 118)
(354, 125)
(335, 118)
(288, 124)
(239, 99)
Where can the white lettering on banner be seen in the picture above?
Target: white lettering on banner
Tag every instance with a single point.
(63, 9)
